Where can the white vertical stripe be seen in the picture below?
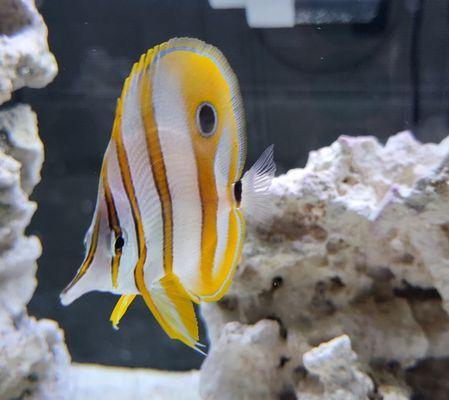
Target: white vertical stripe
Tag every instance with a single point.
(180, 164)
(235, 260)
(134, 141)
(97, 276)
(222, 165)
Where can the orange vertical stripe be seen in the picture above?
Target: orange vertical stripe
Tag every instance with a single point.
(209, 205)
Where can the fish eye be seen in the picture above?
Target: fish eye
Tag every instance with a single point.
(119, 243)
(206, 119)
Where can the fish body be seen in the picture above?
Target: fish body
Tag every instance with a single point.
(169, 219)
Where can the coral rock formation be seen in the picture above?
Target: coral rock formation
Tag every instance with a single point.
(25, 58)
(32, 353)
(358, 246)
(335, 364)
(33, 356)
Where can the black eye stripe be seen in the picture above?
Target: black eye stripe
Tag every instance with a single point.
(206, 119)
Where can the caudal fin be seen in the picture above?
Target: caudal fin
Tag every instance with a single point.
(120, 309)
(256, 203)
(174, 310)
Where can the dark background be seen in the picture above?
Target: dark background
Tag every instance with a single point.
(302, 88)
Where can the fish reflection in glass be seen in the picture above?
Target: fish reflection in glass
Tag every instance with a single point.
(169, 219)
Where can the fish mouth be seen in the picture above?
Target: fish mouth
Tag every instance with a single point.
(77, 287)
(66, 296)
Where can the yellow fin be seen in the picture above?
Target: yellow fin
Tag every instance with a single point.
(175, 307)
(120, 309)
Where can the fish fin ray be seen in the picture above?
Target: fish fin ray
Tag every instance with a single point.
(120, 309)
(256, 183)
(175, 307)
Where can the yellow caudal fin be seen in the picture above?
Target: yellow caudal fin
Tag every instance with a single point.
(120, 309)
(175, 312)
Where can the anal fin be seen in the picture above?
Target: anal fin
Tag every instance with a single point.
(175, 309)
(120, 309)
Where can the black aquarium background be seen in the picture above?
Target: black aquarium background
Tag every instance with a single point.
(302, 88)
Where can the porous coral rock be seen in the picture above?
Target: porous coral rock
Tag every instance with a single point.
(33, 360)
(33, 356)
(256, 350)
(358, 246)
(334, 363)
(25, 58)
(19, 139)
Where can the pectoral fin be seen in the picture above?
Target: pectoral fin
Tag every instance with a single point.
(256, 203)
(120, 309)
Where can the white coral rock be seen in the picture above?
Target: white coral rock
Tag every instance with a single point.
(25, 58)
(33, 356)
(358, 246)
(255, 351)
(334, 363)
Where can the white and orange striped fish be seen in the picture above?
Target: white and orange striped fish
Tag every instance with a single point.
(169, 218)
